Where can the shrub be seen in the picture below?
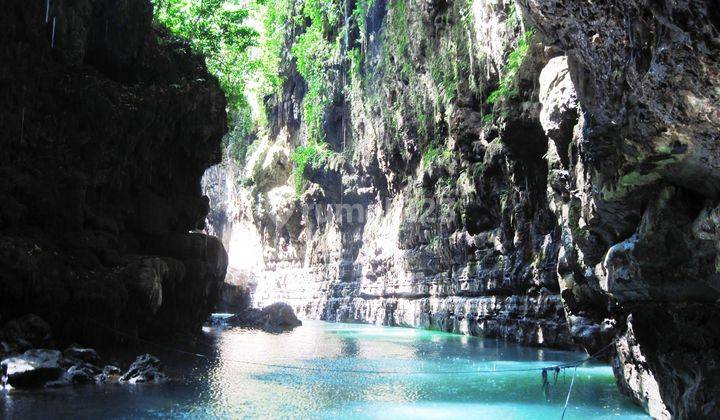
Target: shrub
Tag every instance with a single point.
(434, 153)
(314, 154)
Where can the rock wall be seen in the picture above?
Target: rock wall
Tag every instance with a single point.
(539, 171)
(107, 126)
(641, 171)
(464, 240)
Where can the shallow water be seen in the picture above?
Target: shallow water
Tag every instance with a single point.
(222, 387)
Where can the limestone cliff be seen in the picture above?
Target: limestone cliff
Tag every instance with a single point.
(543, 172)
(106, 127)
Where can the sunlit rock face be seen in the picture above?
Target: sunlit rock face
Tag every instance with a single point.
(107, 127)
(230, 221)
(579, 209)
(466, 242)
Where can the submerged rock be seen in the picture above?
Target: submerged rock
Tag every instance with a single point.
(145, 369)
(32, 369)
(277, 317)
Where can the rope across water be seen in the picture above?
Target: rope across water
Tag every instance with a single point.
(558, 367)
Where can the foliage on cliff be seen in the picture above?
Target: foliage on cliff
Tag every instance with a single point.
(220, 31)
(243, 44)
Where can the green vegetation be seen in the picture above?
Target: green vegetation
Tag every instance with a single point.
(574, 216)
(315, 54)
(435, 153)
(435, 70)
(507, 86)
(513, 18)
(638, 178)
(216, 29)
(275, 17)
(356, 60)
(220, 30)
(400, 37)
(445, 74)
(243, 42)
(315, 155)
(362, 7)
(248, 43)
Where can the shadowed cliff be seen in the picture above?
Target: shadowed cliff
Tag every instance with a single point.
(107, 127)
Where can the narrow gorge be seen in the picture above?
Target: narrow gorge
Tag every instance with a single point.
(539, 172)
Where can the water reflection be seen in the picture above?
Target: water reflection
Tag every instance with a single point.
(349, 348)
(226, 388)
(425, 356)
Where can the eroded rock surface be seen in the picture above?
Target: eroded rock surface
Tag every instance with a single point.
(145, 369)
(31, 369)
(577, 208)
(106, 134)
(639, 188)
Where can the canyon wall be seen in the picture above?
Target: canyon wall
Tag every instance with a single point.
(542, 172)
(107, 125)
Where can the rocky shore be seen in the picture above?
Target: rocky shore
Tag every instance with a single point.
(28, 361)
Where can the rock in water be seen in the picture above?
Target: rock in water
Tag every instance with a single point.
(109, 373)
(82, 374)
(82, 354)
(145, 369)
(32, 369)
(280, 315)
(277, 317)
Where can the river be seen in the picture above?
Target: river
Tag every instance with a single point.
(323, 370)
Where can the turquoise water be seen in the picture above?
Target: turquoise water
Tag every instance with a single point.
(224, 388)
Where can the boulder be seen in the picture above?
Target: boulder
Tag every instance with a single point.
(32, 369)
(77, 353)
(281, 315)
(144, 278)
(145, 369)
(109, 373)
(235, 292)
(277, 317)
(82, 374)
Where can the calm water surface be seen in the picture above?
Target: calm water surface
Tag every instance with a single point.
(224, 388)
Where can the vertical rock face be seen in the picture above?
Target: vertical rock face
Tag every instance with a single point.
(640, 180)
(558, 189)
(432, 210)
(107, 128)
